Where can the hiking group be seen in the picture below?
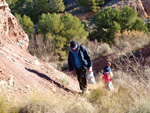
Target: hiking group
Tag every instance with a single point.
(80, 61)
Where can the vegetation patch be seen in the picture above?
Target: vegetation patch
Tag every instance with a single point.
(110, 21)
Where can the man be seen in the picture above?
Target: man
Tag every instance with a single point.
(107, 68)
(80, 61)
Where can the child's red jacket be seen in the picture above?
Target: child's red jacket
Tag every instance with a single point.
(106, 78)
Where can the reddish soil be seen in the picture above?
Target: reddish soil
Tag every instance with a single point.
(20, 73)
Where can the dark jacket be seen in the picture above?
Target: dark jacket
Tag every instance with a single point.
(106, 69)
(83, 56)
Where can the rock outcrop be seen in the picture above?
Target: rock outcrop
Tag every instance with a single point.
(136, 5)
(10, 30)
(146, 5)
(141, 6)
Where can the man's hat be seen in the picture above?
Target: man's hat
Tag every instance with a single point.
(73, 44)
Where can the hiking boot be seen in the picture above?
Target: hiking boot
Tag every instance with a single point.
(85, 91)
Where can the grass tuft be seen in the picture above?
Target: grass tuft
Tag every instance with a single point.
(3, 105)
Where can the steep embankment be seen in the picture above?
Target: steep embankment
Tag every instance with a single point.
(21, 73)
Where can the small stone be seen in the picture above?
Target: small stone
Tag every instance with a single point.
(54, 90)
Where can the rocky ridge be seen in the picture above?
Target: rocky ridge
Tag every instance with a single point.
(141, 6)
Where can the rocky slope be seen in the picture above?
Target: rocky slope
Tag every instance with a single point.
(141, 6)
(21, 73)
(9, 27)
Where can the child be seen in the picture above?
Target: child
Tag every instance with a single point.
(108, 80)
(107, 68)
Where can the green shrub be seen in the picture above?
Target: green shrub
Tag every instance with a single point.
(59, 45)
(16, 6)
(127, 18)
(148, 26)
(50, 23)
(62, 30)
(92, 5)
(49, 6)
(110, 21)
(26, 23)
(139, 25)
(34, 8)
(73, 29)
(106, 23)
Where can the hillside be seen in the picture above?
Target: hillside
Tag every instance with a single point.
(29, 85)
(21, 73)
(141, 6)
(26, 71)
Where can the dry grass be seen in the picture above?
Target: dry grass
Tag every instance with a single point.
(57, 104)
(132, 88)
(64, 81)
(129, 94)
(145, 108)
(97, 50)
(42, 49)
(48, 103)
(3, 105)
(131, 82)
(124, 43)
(130, 41)
(132, 94)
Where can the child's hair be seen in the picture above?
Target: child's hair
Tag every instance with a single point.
(108, 63)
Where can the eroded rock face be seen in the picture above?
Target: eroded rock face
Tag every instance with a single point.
(141, 6)
(146, 5)
(136, 5)
(10, 29)
(21, 73)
